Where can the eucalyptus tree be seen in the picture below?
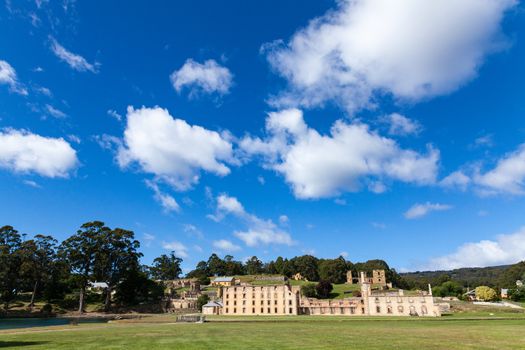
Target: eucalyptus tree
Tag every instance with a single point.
(254, 266)
(80, 252)
(37, 258)
(9, 264)
(166, 267)
(116, 254)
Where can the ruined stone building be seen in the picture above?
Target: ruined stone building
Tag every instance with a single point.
(374, 303)
(378, 278)
(185, 300)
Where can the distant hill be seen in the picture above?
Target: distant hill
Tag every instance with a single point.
(494, 276)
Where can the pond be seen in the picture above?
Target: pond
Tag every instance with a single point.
(12, 323)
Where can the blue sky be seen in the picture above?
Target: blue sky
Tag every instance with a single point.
(367, 128)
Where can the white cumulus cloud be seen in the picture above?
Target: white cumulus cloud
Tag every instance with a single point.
(24, 152)
(208, 77)
(419, 210)
(504, 249)
(411, 49)
(507, 177)
(350, 157)
(171, 149)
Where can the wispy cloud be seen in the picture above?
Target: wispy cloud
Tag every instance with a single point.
(55, 112)
(75, 61)
(178, 248)
(192, 230)
(114, 114)
(8, 77)
(168, 203)
(258, 232)
(32, 183)
(420, 210)
(226, 246)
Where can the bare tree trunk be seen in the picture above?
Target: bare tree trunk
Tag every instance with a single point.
(81, 300)
(107, 304)
(32, 303)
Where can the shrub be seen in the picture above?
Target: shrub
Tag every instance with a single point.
(204, 280)
(517, 294)
(486, 293)
(323, 289)
(47, 309)
(202, 300)
(309, 290)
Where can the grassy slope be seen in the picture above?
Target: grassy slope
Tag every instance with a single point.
(300, 332)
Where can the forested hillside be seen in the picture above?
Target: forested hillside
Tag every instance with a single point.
(494, 276)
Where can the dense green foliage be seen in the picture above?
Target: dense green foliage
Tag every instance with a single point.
(50, 271)
(323, 289)
(517, 294)
(496, 277)
(308, 290)
(166, 267)
(310, 268)
(202, 300)
(448, 289)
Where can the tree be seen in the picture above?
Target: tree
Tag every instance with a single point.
(80, 250)
(333, 270)
(307, 266)
(200, 273)
(233, 267)
(517, 294)
(216, 265)
(9, 264)
(448, 288)
(254, 266)
(309, 290)
(486, 293)
(202, 300)
(323, 289)
(278, 265)
(508, 278)
(135, 287)
(166, 267)
(117, 253)
(37, 258)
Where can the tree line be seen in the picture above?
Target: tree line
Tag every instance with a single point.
(496, 277)
(49, 271)
(310, 268)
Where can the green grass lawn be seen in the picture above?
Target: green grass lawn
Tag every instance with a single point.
(301, 332)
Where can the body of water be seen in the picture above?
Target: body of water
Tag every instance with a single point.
(12, 323)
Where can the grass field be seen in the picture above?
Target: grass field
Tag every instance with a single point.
(278, 333)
